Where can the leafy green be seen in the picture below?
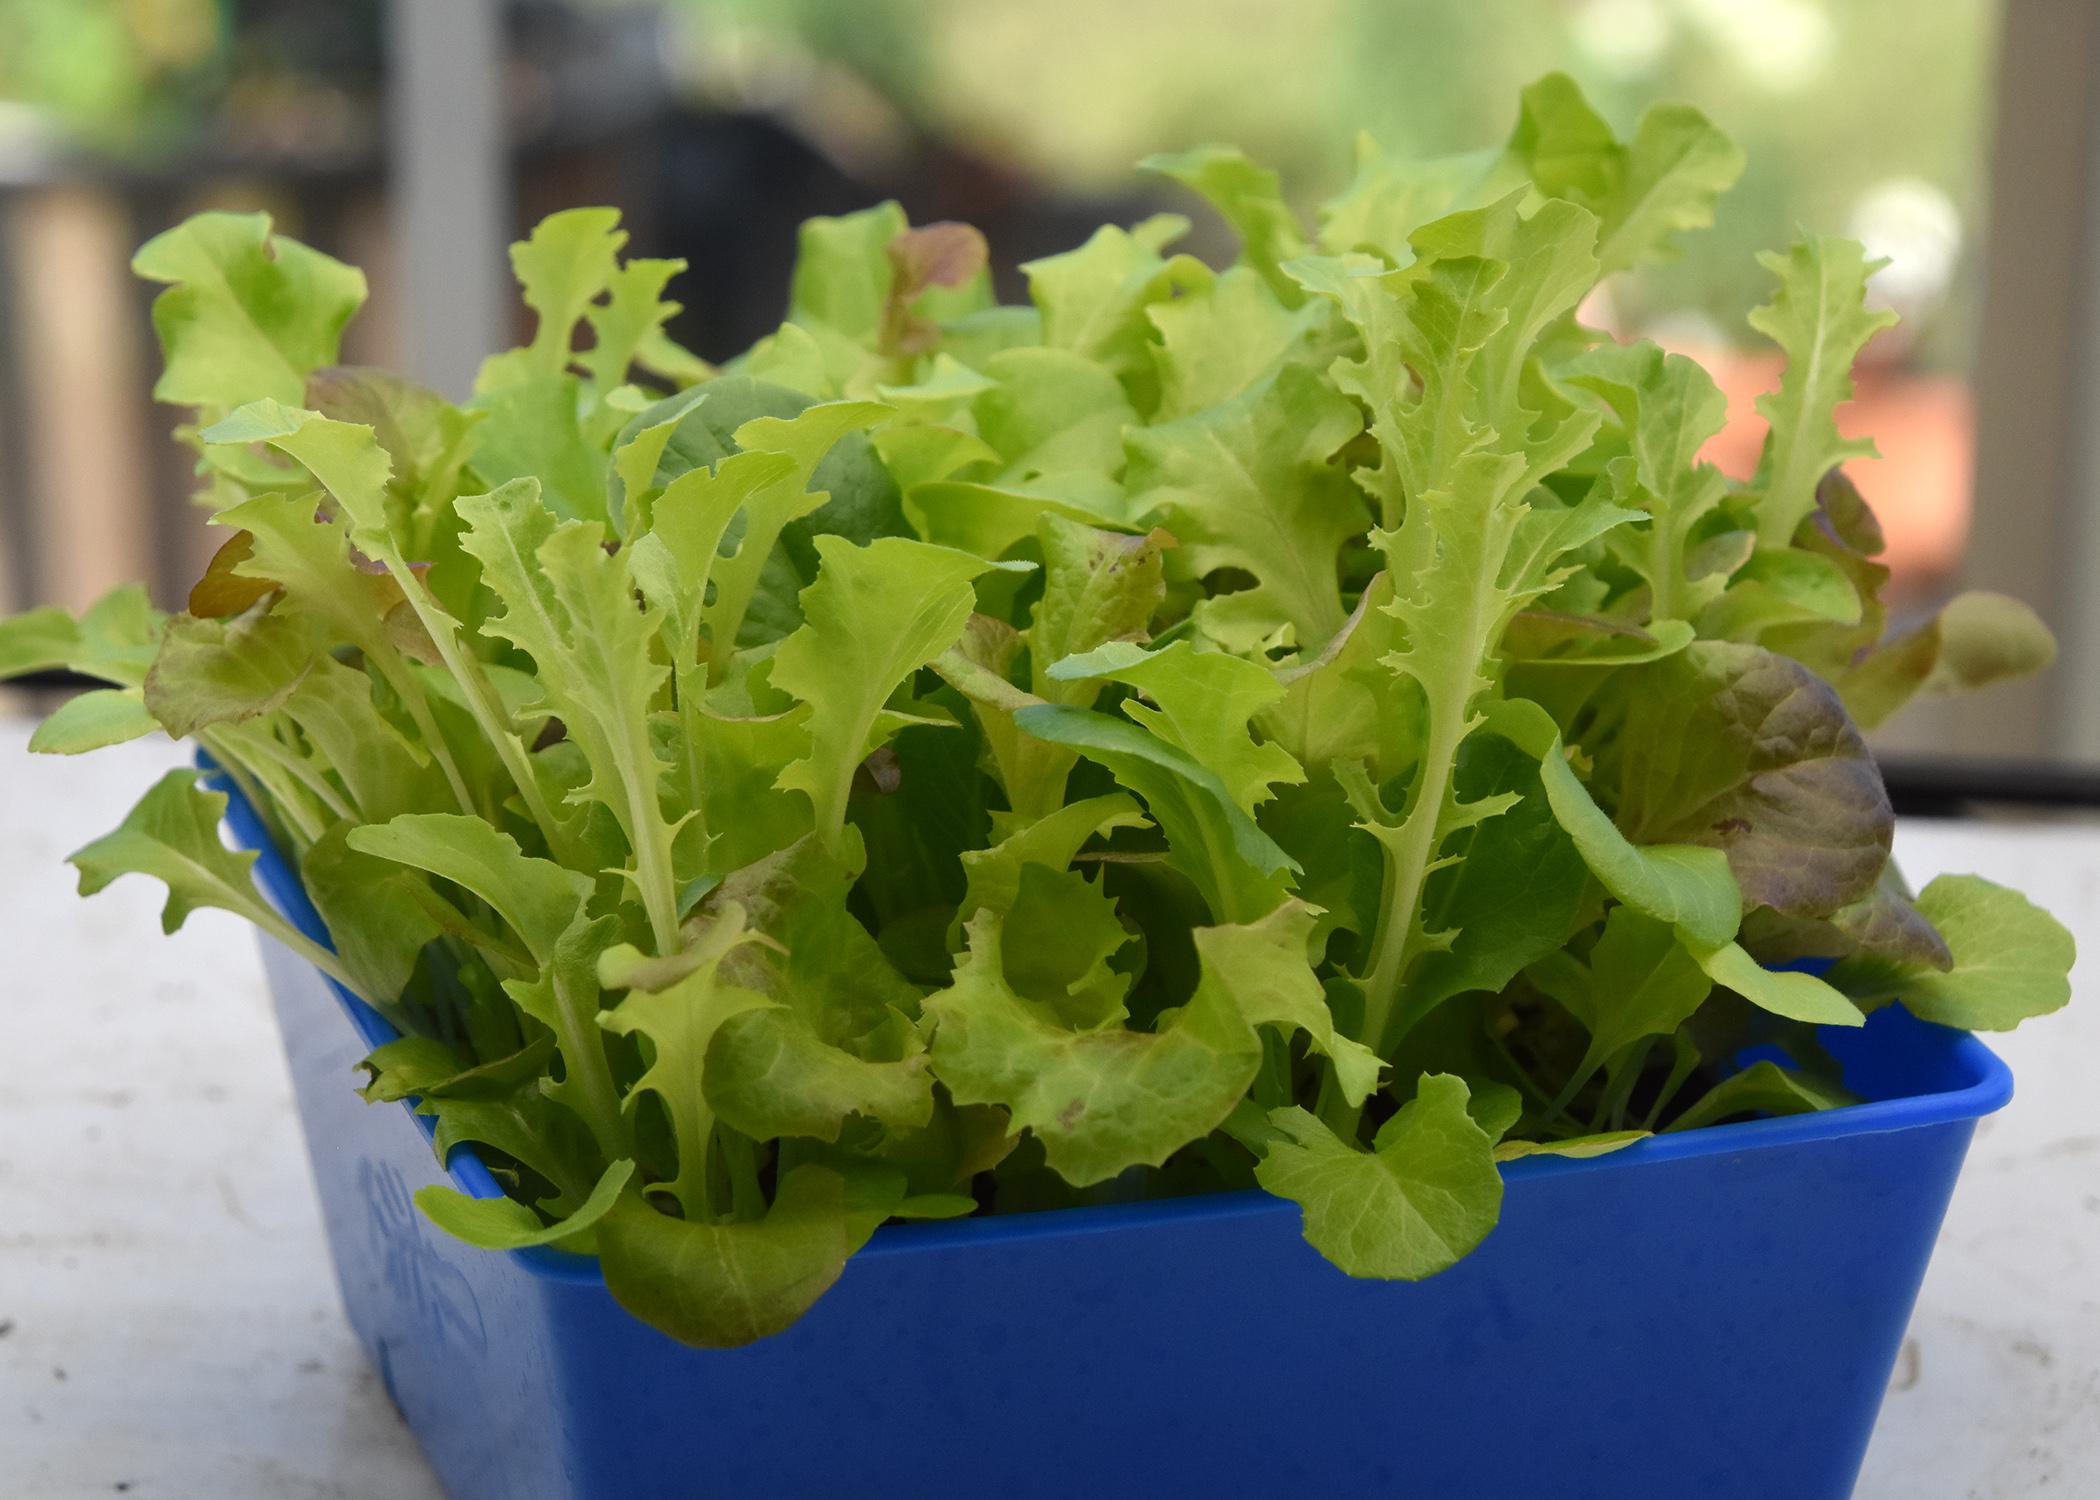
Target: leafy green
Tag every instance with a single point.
(1818, 317)
(1100, 1100)
(103, 716)
(173, 836)
(2010, 960)
(1414, 1204)
(248, 314)
(1317, 723)
(1643, 191)
(720, 1285)
(506, 1224)
(1247, 485)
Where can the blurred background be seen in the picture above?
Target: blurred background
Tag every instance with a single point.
(416, 137)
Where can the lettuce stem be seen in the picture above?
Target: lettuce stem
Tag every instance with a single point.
(480, 698)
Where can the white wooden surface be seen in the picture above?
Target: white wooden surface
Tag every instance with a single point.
(169, 1325)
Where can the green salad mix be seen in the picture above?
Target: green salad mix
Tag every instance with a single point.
(1314, 725)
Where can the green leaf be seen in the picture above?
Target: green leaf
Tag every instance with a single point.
(1094, 299)
(1796, 996)
(637, 452)
(991, 522)
(875, 615)
(1685, 885)
(91, 720)
(379, 915)
(630, 319)
(1639, 982)
(839, 486)
(2012, 960)
(409, 1066)
(1248, 485)
(1391, 196)
(678, 1003)
(842, 278)
(746, 816)
(37, 640)
(384, 772)
(1220, 337)
(296, 544)
(1339, 703)
(1668, 408)
(1062, 933)
(1548, 263)
(1514, 895)
(248, 315)
(768, 1074)
(426, 437)
(1415, 1204)
(1977, 638)
(1247, 196)
(1763, 1088)
(1239, 870)
(1578, 1148)
(846, 493)
(563, 266)
(1099, 1100)
(569, 604)
(1055, 420)
(506, 1224)
(223, 671)
(1819, 319)
(563, 996)
(1203, 703)
(173, 836)
(345, 457)
(522, 1123)
(1098, 586)
(532, 430)
(1644, 191)
(720, 1285)
(536, 898)
(1265, 968)
(819, 959)
(1778, 589)
(993, 874)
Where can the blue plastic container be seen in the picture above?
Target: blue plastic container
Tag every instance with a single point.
(1710, 1316)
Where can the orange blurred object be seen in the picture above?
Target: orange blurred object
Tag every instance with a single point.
(1920, 487)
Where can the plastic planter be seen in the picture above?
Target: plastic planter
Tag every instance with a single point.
(1713, 1314)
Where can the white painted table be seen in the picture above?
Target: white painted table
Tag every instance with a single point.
(169, 1324)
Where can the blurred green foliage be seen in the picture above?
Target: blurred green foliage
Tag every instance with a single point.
(113, 73)
(1829, 98)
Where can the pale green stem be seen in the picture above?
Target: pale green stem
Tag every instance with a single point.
(285, 794)
(413, 698)
(583, 1051)
(313, 780)
(652, 860)
(1407, 866)
(483, 704)
(1663, 565)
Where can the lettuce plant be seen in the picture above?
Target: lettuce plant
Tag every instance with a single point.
(1316, 724)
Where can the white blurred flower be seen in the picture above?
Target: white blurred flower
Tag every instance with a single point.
(1625, 38)
(1782, 45)
(1917, 228)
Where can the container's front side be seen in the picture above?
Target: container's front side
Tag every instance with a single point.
(1713, 1327)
